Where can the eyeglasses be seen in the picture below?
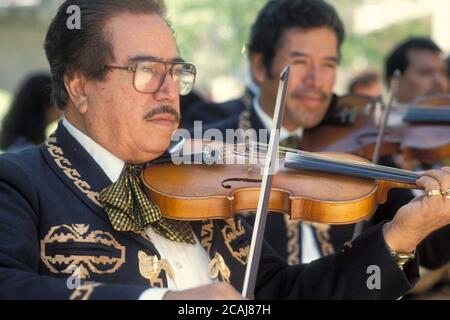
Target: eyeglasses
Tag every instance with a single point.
(149, 76)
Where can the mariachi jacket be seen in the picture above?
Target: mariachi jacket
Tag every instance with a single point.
(53, 226)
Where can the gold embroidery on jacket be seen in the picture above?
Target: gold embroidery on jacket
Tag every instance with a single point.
(217, 267)
(68, 237)
(150, 268)
(64, 164)
(84, 292)
(231, 232)
(207, 233)
(293, 240)
(323, 236)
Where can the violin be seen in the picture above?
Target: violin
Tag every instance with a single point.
(440, 100)
(428, 115)
(426, 138)
(352, 129)
(332, 188)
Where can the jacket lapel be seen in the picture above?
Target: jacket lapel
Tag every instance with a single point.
(74, 166)
(81, 174)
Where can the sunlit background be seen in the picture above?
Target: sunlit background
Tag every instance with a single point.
(212, 34)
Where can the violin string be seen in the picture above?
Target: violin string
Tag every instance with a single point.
(262, 149)
(301, 162)
(369, 166)
(352, 166)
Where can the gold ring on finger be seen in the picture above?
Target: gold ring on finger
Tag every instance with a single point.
(446, 193)
(434, 193)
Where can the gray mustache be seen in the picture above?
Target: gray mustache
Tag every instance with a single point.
(164, 109)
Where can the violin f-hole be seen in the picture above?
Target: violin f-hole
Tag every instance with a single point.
(225, 184)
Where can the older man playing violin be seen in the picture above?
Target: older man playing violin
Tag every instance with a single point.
(74, 209)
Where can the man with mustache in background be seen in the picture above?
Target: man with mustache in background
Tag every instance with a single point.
(307, 35)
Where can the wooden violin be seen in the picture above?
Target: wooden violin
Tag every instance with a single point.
(331, 188)
(426, 138)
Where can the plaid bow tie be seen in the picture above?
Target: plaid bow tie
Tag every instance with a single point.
(129, 209)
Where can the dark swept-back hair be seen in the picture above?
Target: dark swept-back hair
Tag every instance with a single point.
(398, 58)
(279, 15)
(88, 48)
(27, 113)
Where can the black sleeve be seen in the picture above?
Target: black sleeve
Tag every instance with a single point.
(434, 251)
(343, 275)
(19, 248)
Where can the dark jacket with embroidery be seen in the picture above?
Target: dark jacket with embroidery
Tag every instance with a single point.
(51, 222)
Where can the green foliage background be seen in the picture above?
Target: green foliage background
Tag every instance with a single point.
(213, 34)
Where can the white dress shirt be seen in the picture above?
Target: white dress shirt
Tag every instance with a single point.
(310, 248)
(189, 262)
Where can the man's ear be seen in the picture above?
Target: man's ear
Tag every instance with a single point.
(76, 87)
(259, 72)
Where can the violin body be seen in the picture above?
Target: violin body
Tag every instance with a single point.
(429, 144)
(427, 137)
(358, 138)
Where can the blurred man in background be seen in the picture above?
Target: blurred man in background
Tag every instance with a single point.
(30, 113)
(366, 83)
(423, 69)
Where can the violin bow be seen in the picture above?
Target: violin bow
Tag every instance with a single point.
(395, 84)
(266, 185)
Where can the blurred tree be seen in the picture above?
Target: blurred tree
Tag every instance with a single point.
(371, 49)
(5, 100)
(212, 34)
